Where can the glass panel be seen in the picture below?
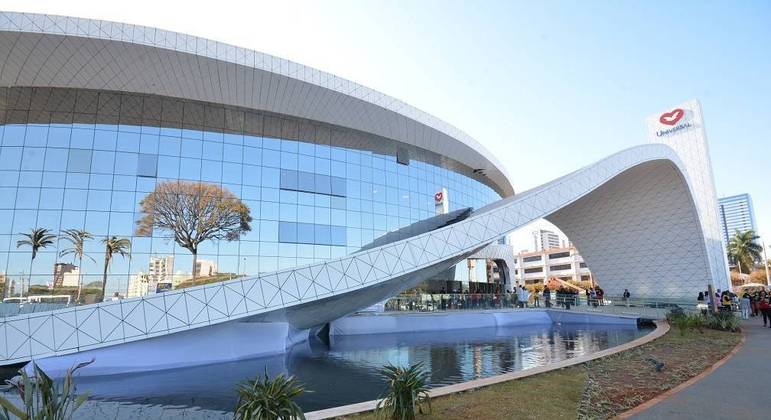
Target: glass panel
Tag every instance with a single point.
(79, 160)
(338, 186)
(338, 235)
(323, 184)
(305, 233)
(322, 234)
(147, 165)
(287, 232)
(288, 179)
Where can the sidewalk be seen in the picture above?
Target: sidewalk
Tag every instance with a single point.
(737, 389)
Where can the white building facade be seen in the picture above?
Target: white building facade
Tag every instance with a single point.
(563, 263)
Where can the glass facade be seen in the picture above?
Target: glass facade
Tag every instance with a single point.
(84, 160)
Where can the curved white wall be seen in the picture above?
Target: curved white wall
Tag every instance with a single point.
(360, 279)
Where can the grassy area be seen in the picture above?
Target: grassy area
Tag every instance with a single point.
(207, 280)
(598, 389)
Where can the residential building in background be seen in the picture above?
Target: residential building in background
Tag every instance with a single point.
(563, 263)
(205, 268)
(736, 213)
(66, 275)
(140, 285)
(161, 269)
(545, 239)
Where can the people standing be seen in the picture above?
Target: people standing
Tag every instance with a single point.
(726, 302)
(626, 297)
(745, 305)
(547, 296)
(523, 296)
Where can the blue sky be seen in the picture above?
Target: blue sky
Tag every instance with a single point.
(548, 86)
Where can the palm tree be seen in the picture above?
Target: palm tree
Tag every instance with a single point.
(77, 239)
(113, 245)
(743, 250)
(37, 238)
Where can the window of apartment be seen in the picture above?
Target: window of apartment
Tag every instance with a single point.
(531, 259)
(560, 254)
(534, 270)
(560, 267)
(583, 265)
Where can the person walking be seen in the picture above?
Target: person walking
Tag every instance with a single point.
(745, 305)
(764, 308)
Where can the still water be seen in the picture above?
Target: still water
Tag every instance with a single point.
(345, 372)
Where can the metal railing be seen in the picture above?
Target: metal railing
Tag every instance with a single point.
(14, 308)
(648, 308)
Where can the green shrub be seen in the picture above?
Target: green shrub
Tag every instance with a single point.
(407, 392)
(686, 322)
(43, 398)
(724, 321)
(269, 399)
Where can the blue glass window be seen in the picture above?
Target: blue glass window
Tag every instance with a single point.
(79, 160)
(147, 165)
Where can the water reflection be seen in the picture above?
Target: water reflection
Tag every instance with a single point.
(346, 372)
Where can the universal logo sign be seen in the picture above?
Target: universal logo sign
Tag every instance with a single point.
(672, 118)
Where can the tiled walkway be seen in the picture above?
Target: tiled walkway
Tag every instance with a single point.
(737, 390)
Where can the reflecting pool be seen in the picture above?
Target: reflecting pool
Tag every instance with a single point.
(345, 372)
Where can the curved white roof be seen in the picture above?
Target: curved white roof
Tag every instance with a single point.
(58, 51)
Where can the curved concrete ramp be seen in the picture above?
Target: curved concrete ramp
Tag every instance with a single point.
(638, 197)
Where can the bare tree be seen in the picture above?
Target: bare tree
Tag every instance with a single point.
(194, 212)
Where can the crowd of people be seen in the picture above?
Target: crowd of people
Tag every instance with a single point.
(750, 304)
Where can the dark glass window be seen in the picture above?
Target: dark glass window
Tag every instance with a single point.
(306, 182)
(287, 232)
(560, 267)
(289, 180)
(323, 184)
(305, 233)
(147, 166)
(309, 233)
(533, 270)
(338, 186)
(560, 254)
(531, 259)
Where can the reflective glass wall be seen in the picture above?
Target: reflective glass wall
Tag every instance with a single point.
(84, 160)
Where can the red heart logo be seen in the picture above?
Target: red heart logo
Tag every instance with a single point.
(438, 196)
(671, 118)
